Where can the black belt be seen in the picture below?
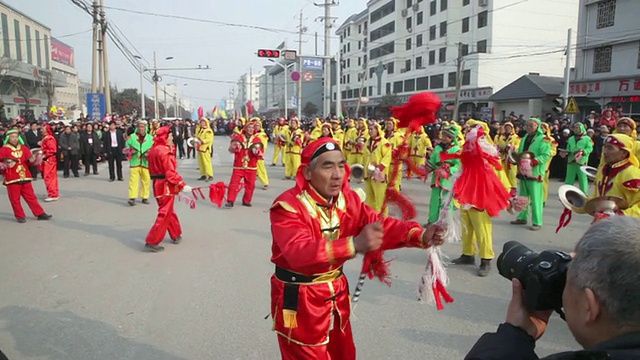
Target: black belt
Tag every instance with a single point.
(157, 177)
(292, 277)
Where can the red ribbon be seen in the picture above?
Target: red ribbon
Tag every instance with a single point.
(565, 219)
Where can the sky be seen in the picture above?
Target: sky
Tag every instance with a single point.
(229, 51)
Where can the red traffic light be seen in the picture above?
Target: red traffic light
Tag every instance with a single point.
(267, 53)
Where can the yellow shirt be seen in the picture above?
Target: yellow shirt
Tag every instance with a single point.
(504, 141)
(294, 138)
(624, 184)
(419, 144)
(378, 155)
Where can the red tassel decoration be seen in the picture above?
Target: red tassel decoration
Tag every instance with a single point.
(216, 193)
(408, 210)
(565, 219)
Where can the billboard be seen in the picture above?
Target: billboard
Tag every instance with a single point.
(96, 106)
(62, 53)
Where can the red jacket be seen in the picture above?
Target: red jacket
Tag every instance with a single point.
(247, 151)
(17, 163)
(162, 168)
(300, 246)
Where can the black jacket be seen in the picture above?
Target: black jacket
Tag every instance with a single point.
(106, 141)
(513, 343)
(33, 139)
(85, 147)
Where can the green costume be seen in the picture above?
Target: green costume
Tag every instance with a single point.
(139, 150)
(533, 187)
(578, 142)
(440, 188)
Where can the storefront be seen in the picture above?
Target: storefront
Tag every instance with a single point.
(623, 93)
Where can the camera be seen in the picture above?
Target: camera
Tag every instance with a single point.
(543, 276)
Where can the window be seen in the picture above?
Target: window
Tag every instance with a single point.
(38, 50)
(432, 32)
(359, 44)
(407, 44)
(382, 31)
(466, 77)
(348, 47)
(433, 8)
(432, 57)
(419, 18)
(410, 85)
(387, 88)
(409, 3)
(465, 49)
(443, 29)
(16, 29)
(481, 47)
(409, 22)
(452, 79)
(390, 67)
(356, 93)
(370, 92)
(371, 72)
(437, 81)
(348, 63)
(349, 94)
(27, 34)
(443, 5)
(359, 61)
(465, 2)
(348, 78)
(383, 11)
(419, 62)
(465, 25)
(419, 40)
(407, 65)
(483, 17)
(5, 36)
(422, 83)
(359, 29)
(397, 87)
(442, 55)
(602, 60)
(606, 14)
(385, 49)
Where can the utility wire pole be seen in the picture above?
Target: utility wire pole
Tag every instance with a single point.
(94, 53)
(105, 58)
(567, 73)
(328, 24)
(301, 30)
(459, 61)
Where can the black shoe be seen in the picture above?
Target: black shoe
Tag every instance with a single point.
(464, 260)
(202, 178)
(282, 165)
(86, 174)
(121, 179)
(274, 164)
(132, 202)
(153, 248)
(112, 180)
(246, 204)
(45, 217)
(145, 201)
(177, 240)
(95, 173)
(485, 267)
(76, 175)
(65, 176)
(22, 220)
(229, 204)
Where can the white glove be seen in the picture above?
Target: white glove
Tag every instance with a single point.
(187, 189)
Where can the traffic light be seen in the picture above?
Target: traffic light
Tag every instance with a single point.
(267, 53)
(559, 108)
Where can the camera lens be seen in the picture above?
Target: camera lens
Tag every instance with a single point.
(514, 261)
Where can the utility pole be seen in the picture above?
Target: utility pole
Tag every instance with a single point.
(567, 73)
(155, 84)
(94, 54)
(301, 30)
(328, 23)
(458, 83)
(105, 58)
(338, 86)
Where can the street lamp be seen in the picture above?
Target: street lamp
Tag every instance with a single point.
(156, 79)
(286, 95)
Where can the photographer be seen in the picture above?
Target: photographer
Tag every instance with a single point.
(601, 300)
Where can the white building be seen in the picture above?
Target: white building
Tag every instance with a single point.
(248, 89)
(607, 69)
(63, 63)
(414, 46)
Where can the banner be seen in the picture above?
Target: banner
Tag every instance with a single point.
(62, 53)
(96, 106)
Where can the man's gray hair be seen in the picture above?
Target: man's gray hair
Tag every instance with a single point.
(608, 262)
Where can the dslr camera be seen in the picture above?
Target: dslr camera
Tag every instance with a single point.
(543, 276)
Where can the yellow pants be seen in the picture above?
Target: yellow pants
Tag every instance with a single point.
(262, 173)
(139, 174)
(417, 161)
(476, 228)
(511, 171)
(398, 180)
(292, 162)
(204, 163)
(376, 192)
(355, 158)
(545, 187)
(277, 149)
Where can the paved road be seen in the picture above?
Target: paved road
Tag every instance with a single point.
(79, 287)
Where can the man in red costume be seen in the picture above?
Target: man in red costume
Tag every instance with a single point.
(49, 146)
(247, 149)
(16, 159)
(317, 226)
(167, 183)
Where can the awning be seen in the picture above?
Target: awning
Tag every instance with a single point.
(586, 102)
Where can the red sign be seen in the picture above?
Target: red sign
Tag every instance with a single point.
(625, 99)
(62, 53)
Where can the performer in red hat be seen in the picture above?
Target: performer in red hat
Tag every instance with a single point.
(247, 149)
(167, 183)
(50, 164)
(16, 159)
(316, 227)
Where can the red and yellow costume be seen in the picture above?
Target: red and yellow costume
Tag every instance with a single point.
(509, 142)
(377, 162)
(247, 150)
(263, 176)
(295, 142)
(17, 178)
(312, 239)
(358, 140)
(278, 138)
(50, 163)
(419, 145)
(167, 183)
(395, 137)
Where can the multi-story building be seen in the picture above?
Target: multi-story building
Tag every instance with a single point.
(607, 69)
(248, 90)
(63, 62)
(26, 80)
(84, 88)
(403, 47)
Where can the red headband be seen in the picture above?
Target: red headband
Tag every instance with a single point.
(612, 140)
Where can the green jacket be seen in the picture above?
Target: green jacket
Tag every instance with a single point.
(585, 144)
(139, 150)
(454, 165)
(542, 154)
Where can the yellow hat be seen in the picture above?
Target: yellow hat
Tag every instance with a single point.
(625, 143)
(631, 123)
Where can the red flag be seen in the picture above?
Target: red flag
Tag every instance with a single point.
(200, 112)
(249, 108)
(213, 113)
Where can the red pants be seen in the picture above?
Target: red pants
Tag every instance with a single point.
(50, 171)
(249, 177)
(166, 220)
(340, 347)
(25, 190)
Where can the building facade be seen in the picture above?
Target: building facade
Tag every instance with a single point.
(63, 63)
(248, 89)
(401, 47)
(607, 69)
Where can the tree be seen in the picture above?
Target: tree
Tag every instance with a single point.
(387, 102)
(310, 109)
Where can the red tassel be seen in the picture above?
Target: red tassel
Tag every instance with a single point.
(421, 109)
(402, 202)
(374, 265)
(565, 219)
(445, 294)
(436, 296)
(216, 193)
(440, 292)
